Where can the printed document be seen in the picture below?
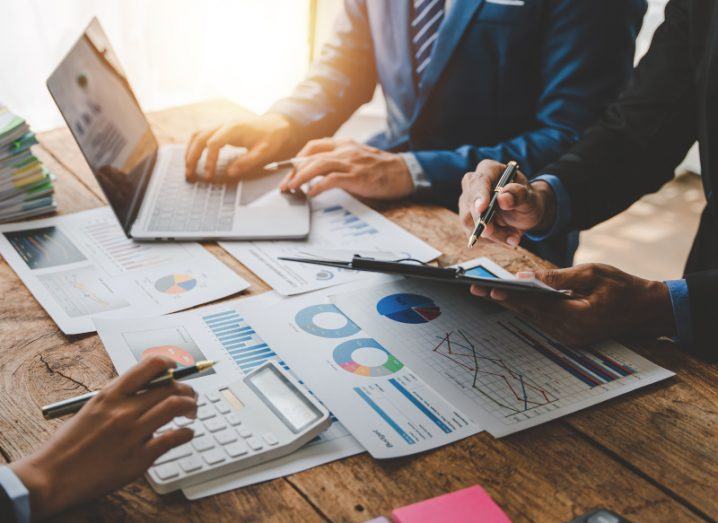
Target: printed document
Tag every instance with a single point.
(82, 266)
(380, 399)
(502, 371)
(341, 227)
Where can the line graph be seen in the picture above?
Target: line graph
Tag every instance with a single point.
(520, 393)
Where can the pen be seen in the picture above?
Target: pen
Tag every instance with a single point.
(70, 405)
(506, 177)
(275, 166)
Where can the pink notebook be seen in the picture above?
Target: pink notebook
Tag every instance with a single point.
(469, 505)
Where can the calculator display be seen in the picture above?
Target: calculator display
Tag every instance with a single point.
(282, 397)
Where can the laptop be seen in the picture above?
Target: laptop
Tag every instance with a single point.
(145, 183)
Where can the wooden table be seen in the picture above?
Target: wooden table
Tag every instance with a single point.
(651, 455)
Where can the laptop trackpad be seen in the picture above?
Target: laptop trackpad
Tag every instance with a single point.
(264, 211)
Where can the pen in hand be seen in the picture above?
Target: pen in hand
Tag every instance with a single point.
(70, 405)
(506, 178)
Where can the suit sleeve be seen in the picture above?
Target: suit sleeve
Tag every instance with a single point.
(642, 137)
(339, 82)
(586, 58)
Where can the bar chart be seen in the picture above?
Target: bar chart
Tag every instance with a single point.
(239, 340)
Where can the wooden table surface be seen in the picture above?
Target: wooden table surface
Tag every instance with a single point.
(651, 455)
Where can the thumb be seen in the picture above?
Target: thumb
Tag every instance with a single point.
(559, 278)
(255, 157)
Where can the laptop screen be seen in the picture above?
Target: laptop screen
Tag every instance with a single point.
(98, 105)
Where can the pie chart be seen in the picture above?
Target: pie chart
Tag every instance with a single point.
(344, 356)
(178, 354)
(175, 284)
(408, 308)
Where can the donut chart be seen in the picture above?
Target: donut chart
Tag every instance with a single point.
(408, 308)
(175, 284)
(305, 320)
(343, 357)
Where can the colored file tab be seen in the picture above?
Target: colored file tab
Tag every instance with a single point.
(469, 505)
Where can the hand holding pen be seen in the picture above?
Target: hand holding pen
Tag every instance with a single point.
(519, 206)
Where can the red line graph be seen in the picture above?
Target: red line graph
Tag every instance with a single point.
(457, 348)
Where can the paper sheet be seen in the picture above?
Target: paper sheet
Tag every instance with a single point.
(82, 266)
(341, 226)
(500, 370)
(219, 332)
(385, 405)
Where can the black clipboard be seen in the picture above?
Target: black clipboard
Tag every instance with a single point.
(415, 269)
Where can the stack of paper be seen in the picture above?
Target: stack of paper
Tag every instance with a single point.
(25, 185)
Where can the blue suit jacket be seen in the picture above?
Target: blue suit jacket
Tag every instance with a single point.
(509, 79)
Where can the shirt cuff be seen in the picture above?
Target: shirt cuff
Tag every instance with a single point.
(422, 184)
(563, 208)
(17, 493)
(678, 291)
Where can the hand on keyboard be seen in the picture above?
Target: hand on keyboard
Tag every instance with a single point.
(109, 442)
(264, 137)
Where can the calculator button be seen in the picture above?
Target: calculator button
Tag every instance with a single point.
(202, 443)
(270, 438)
(167, 471)
(225, 436)
(214, 456)
(233, 419)
(245, 433)
(254, 443)
(213, 396)
(222, 407)
(201, 400)
(190, 463)
(215, 424)
(205, 412)
(198, 428)
(175, 453)
(236, 449)
(182, 421)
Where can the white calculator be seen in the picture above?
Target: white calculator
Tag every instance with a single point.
(265, 415)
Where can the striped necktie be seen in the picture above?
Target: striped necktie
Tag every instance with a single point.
(425, 23)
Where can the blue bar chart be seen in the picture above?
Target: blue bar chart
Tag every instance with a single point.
(239, 340)
(345, 222)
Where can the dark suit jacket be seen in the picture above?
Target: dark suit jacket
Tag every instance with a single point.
(507, 80)
(671, 101)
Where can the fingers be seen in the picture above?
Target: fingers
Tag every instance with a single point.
(165, 411)
(148, 399)
(322, 165)
(322, 145)
(166, 441)
(254, 158)
(499, 232)
(330, 181)
(512, 196)
(574, 278)
(138, 376)
(194, 152)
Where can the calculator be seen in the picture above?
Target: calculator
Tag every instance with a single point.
(266, 415)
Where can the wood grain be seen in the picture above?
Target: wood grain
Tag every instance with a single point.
(650, 455)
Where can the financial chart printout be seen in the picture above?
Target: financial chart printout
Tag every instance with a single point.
(341, 227)
(81, 266)
(381, 400)
(497, 368)
(222, 333)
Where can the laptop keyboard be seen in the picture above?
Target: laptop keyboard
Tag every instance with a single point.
(192, 207)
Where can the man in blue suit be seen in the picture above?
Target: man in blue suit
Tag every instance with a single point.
(464, 80)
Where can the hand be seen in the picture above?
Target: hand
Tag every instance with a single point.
(605, 302)
(522, 206)
(109, 442)
(359, 169)
(264, 136)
